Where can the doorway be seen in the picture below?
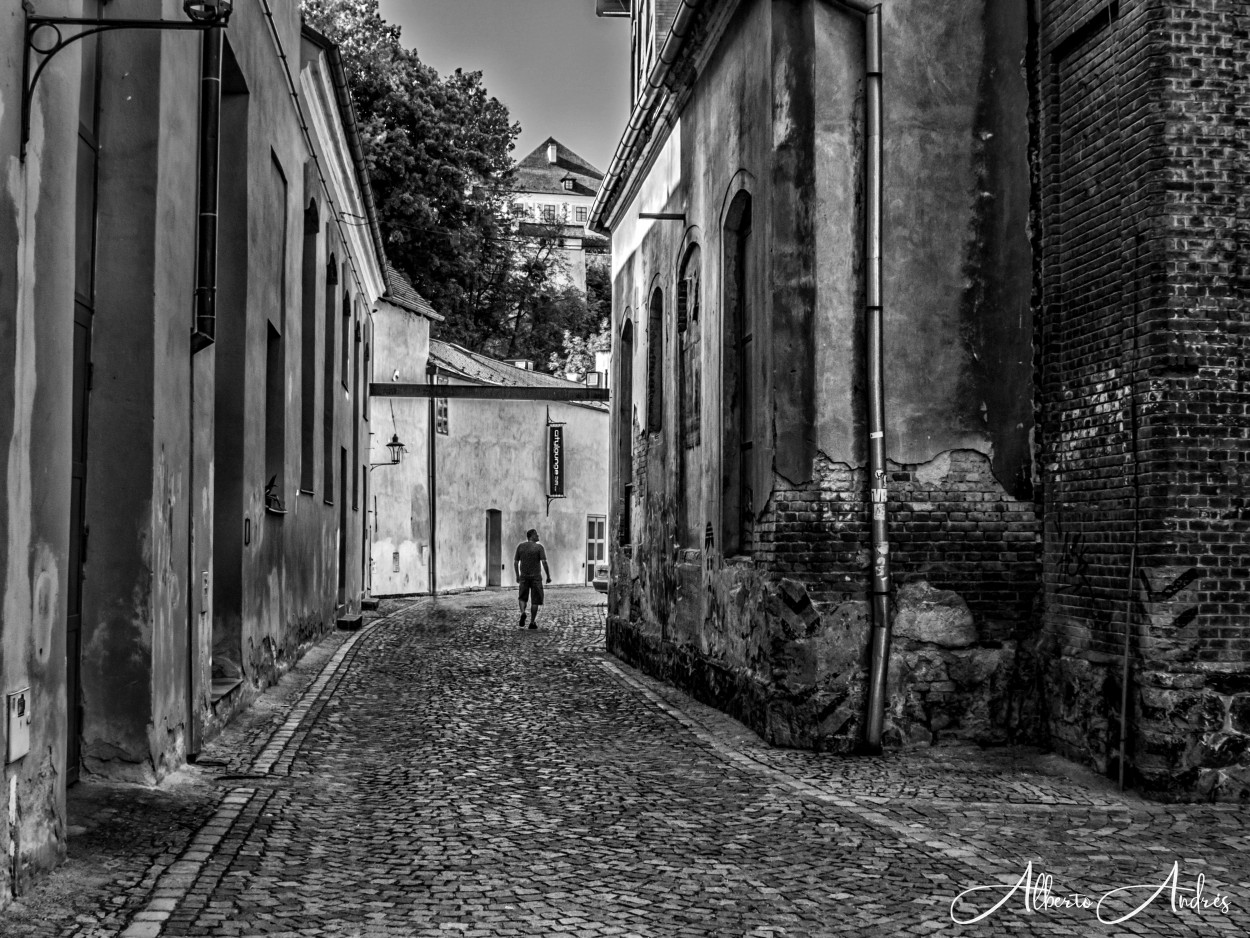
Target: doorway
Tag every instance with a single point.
(494, 547)
(596, 543)
(342, 525)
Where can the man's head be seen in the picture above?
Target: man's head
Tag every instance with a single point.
(531, 534)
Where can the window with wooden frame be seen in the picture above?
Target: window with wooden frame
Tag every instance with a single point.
(655, 362)
(737, 387)
(689, 397)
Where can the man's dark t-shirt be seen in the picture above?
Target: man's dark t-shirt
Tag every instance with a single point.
(531, 556)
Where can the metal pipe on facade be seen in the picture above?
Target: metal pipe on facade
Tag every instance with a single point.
(203, 334)
(877, 466)
(432, 378)
(204, 330)
(1125, 664)
(351, 126)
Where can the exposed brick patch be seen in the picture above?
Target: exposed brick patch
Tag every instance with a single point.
(950, 522)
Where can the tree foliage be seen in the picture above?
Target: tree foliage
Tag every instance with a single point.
(438, 153)
(578, 347)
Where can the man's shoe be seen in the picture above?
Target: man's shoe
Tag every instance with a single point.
(533, 625)
(521, 624)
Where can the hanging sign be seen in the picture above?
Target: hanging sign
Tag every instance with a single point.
(555, 461)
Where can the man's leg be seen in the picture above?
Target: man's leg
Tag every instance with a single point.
(536, 601)
(521, 597)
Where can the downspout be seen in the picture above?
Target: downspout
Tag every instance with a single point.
(431, 378)
(873, 329)
(351, 127)
(203, 334)
(204, 329)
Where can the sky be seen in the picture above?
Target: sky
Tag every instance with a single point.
(560, 70)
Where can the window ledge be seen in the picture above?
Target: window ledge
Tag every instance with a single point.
(274, 511)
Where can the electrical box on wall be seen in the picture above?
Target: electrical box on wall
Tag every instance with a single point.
(19, 724)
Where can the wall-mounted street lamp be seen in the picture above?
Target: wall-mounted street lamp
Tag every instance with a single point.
(44, 38)
(397, 451)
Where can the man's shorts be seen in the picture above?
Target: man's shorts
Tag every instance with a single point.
(529, 586)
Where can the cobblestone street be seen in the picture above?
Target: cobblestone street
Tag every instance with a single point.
(446, 773)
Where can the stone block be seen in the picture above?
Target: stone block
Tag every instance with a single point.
(1239, 713)
(1220, 750)
(933, 616)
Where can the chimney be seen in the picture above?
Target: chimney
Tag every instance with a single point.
(551, 152)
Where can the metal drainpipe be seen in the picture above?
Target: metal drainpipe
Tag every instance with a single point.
(203, 331)
(877, 467)
(432, 378)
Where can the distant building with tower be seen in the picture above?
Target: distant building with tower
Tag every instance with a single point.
(554, 191)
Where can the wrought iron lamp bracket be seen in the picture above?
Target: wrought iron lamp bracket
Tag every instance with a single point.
(44, 38)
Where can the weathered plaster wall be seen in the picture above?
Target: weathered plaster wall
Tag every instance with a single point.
(400, 494)
(36, 355)
(192, 577)
(778, 633)
(958, 269)
(134, 625)
(495, 457)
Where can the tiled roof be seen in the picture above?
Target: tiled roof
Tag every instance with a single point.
(536, 174)
(400, 292)
(477, 367)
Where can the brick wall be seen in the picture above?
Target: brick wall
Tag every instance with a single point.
(1142, 398)
(950, 523)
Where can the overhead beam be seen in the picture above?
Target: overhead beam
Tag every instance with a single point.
(484, 392)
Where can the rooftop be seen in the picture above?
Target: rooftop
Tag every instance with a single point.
(401, 292)
(536, 172)
(478, 367)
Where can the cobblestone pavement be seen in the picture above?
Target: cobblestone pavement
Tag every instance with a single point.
(447, 773)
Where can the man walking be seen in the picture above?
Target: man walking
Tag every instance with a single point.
(529, 563)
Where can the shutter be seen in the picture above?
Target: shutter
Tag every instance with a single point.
(682, 288)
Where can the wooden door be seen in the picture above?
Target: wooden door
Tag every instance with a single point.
(494, 548)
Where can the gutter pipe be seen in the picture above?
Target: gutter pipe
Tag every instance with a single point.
(203, 334)
(204, 329)
(347, 109)
(877, 465)
(431, 377)
(632, 140)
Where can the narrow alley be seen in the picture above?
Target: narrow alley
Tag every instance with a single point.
(442, 772)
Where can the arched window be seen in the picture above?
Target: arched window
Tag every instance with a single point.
(346, 341)
(655, 362)
(737, 387)
(624, 394)
(308, 348)
(327, 384)
(689, 396)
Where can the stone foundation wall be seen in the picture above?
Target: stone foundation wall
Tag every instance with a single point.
(794, 668)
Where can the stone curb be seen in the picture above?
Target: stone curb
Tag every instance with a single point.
(173, 884)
